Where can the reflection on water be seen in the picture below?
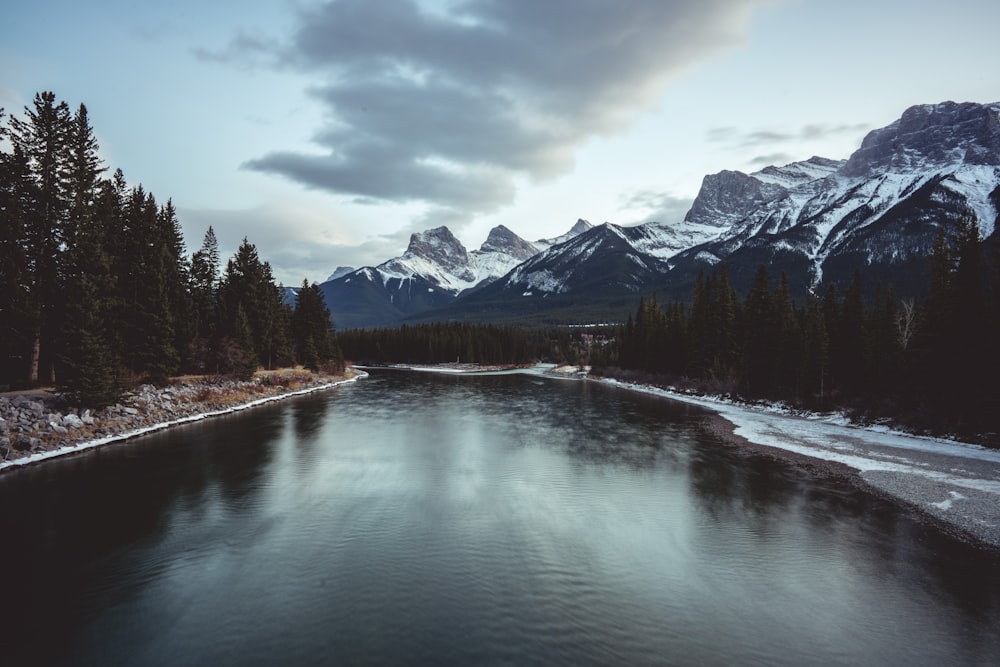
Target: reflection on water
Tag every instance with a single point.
(416, 519)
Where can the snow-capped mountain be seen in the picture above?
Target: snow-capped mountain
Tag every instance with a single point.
(574, 264)
(579, 228)
(882, 208)
(435, 268)
(501, 252)
(435, 255)
(340, 271)
(816, 220)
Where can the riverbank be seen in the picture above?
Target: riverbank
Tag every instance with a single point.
(35, 426)
(953, 485)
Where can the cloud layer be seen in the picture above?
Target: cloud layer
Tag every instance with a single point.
(449, 104)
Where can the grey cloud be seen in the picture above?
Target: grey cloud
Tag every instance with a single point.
(826, 130)
(306, 249)
(243, 50)
(772, 158)
(452, 107)
(766, 137)
(662, 206)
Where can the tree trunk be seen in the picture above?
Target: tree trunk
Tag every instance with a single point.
(36, 349)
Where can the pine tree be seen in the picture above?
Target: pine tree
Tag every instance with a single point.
(42, 139)
(249, 284)
(789, 341)
(88, 363)
(970, 339)
(760, 337)
(851, 361)
(815, 352)
(19, 199)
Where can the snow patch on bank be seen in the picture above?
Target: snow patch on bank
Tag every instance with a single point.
(956, 482)
(90, 444)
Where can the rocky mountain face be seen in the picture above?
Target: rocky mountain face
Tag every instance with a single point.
(816, 220)
(433, 271)
(881, 209)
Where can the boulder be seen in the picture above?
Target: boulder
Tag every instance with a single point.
(72, 421)
(23, 443)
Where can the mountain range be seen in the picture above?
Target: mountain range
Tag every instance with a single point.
(817, 221)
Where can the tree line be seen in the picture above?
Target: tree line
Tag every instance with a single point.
(97, 291)
(450, 342)
(931, 362)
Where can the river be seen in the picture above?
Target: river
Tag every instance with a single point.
(422, 519)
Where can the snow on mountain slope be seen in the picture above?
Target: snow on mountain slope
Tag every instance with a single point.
(663, 241)
(816, 220)
(339, 272)
(579, 228)
(604, 256)
(501, 252)
(882, 204)
(435, 255)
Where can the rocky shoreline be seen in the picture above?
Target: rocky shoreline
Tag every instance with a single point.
(38, 425)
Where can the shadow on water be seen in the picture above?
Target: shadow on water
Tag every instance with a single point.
(80, 518)
(456, 520)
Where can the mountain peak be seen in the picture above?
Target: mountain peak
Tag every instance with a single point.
(931, 136)
(341, 271)
(727, 197)
(436, 241)
(503, 240)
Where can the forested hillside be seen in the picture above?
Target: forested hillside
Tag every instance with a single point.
(930, 363)
(97, 291)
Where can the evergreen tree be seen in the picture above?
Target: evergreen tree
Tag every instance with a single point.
(312, 331)
(204, 279)
(760, 337)
(886, 354)
(248, 284)
(969, 337)
(19, 199)
(850, 360)
(88, 364)
(42, 139)
(789, 341)
(815, 352)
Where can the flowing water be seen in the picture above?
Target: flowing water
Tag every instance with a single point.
(436, 520)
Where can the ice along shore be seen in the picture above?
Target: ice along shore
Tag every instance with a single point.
(33, 430)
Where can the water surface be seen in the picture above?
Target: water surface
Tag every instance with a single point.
(421, 519)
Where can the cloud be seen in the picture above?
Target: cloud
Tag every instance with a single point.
(310, 248)
(452, 105)
(657, 206)
(769, 137)
(772, 158)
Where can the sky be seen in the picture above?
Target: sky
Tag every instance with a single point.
(328, 131)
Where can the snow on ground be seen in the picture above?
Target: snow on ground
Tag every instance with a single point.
(72, 449)
(955, 482)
